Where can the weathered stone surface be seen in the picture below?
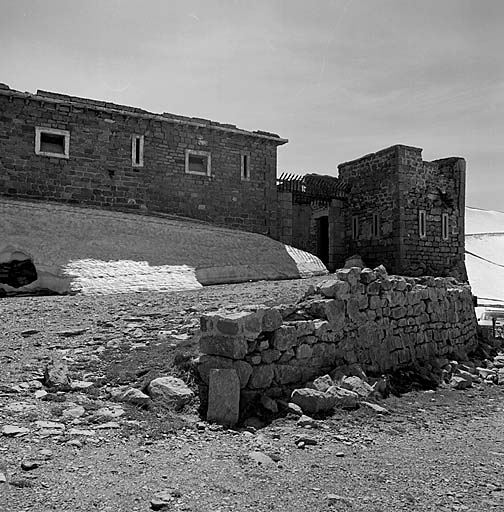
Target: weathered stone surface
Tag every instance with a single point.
(284, 337)
(323, 383)
(312, 401)
(56, 374)
(357, 385)
(271, 320)
(132, 396)
(233, 347)
(344, 398)
(458, 382)
(332, 288)
(207, 363)
(261, 377)
(170, 390)
(270, 355)
(287, 374)
(376, 408)
(305, 421)
(223, 397)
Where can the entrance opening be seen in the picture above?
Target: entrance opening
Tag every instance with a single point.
(17, 273)
(323, 239)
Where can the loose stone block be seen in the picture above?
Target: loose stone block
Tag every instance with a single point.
(223, 397)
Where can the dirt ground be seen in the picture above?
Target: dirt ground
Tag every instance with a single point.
(438, 450)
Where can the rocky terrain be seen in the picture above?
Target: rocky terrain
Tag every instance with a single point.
(70, 440)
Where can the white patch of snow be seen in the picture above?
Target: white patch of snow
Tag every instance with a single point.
(308, 264)
(92, 277)
(483, 221)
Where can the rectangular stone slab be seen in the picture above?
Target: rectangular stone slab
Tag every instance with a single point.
(223, 397)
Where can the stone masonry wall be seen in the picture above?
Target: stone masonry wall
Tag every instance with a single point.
(437, 187)
(99, 170)
(396, 184)
(373, 188)
(381, 322)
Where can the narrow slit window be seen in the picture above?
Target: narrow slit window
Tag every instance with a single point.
(245, 166)
(422, 224)
(52, 142)
(376, 225)
(198, 162)
(137, 150)
(445, 226)
(355, 227)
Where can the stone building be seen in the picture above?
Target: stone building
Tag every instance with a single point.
(63, 148)
(389, 207)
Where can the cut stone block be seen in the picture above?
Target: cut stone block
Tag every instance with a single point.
(223, 397)
(232, 347)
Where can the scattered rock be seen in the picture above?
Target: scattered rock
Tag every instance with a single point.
(133, 396)
(172, 391)
(74, 412)
(14, 430)
(81, 385)
(294, 409)
(261, 458)
(3, 478)
(74, 442)
(68, 333)
(323, 383)
(305, 441)
(40, 393)
(110, 412)
(376, 408)
(312, 401)
(357, 385)
(161, 500)
(51, 425)
(56, 374)
(458, 382)
(306, 421)
(344, 398)
(29, 465)
(29, 332)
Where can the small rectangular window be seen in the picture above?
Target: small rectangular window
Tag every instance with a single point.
(376, 225)
(52, 142)
(422, 223)
(137, 150)
(245, 166)
(198, 162)
(355, 227)
(445, 226)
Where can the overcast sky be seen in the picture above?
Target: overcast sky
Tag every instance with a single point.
(338, 78)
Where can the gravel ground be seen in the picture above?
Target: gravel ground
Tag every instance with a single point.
(436, 451)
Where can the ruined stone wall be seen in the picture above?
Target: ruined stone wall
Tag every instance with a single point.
(394, 185)
(437, 187)
(381, 322)
(374, 189)
(99, 169)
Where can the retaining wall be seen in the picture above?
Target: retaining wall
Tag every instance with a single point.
(381, 322)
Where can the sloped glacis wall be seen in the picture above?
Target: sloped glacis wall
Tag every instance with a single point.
(381, 322)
